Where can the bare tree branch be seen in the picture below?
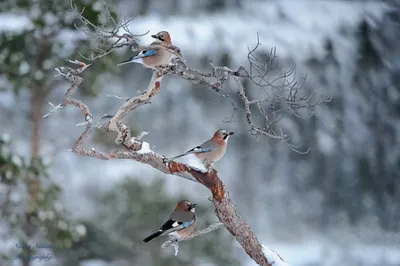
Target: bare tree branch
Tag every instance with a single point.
(140, 151)
(282, 94)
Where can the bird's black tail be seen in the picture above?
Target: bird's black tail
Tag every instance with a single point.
(127, 61)
(154, 235)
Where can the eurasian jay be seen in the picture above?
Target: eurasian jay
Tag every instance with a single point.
(210, 151)
(180, 224)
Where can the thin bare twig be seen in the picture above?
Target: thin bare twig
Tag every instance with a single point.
(173, 241)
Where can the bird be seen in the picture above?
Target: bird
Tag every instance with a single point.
(153, 57)
(211, 150)
(180, 224)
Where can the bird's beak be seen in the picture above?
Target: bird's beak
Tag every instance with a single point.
(194, 205)
(231, 133)
(155, 36)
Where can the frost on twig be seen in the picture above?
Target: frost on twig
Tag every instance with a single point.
(173, 241)
(117, 97)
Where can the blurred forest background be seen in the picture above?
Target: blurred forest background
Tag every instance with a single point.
(340, 203)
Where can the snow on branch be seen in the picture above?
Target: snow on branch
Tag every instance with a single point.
(173, 241)
(273, 257)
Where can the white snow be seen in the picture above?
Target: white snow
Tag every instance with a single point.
(145, 148)
(193, 161)
(14, 22)
(322, 251)
(273, 257)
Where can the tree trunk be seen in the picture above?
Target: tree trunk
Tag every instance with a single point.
(38, 96)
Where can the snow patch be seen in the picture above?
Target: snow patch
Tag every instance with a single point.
(273, 257)
(14, 22)
(145, 148)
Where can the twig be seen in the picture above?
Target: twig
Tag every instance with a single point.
(173, 241)
(55, 108)
(117, 97)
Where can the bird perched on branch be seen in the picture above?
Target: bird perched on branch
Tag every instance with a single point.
(180, 224)
(210, 151)
(153, 57)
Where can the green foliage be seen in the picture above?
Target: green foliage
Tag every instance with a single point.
(9, 167)
(26, 217)
(368, 55)
(30, 55)
(216, 5)
(129, 212)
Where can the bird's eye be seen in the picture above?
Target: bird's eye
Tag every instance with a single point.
(143, 52)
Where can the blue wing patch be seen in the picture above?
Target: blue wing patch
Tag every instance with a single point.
(149, 53)
(186, 224)
(200, 149)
